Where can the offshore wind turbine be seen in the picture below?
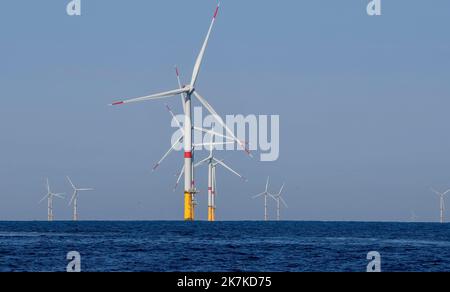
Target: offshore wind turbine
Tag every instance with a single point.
(49, 196)
(279, 199)
(212, 204)
(213, 162)
(441, 202)
(266, 194)
(414, 216)
(74, 198)
(188, 91)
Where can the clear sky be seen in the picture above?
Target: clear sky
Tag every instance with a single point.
(363, 103)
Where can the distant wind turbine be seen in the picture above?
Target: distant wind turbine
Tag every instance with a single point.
(265, 194)
(74, 198)
(279, 199)
(49, 196)
(413, 216)
(441, 202)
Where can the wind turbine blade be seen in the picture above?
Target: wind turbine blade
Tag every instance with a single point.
(258, 195)
(229, 168)
(436, 192)
(220, 120)
(182, 95)
(283, 201)
(272, 196)
(48, 187)
(73, 198)
(60, 195)
(281, 190)
(267, 184)
(198, 62)
(153, 96)
(174, 117)
(85, 190)
(172, 148)
(213, 144)
(180, 175)
(71, 183)
(201, 162)
(446, 192)
(45, 197)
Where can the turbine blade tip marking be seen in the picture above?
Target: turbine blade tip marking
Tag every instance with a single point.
(118, 103)
(217, 11)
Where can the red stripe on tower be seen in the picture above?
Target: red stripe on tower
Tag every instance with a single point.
(188, 155)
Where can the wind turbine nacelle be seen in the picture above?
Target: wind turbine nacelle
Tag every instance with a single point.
(188, 88)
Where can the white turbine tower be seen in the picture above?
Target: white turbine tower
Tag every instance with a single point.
(74, 198)
(188, 91)
(49, 196)
(265, 194)
(279, 199)
(441, 202)
(213, 162)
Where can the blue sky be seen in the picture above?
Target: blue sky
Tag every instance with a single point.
(363, 104)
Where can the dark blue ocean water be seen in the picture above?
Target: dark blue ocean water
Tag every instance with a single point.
(223, 246)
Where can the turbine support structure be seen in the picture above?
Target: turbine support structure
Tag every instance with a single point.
(189, 212)
(50, 209)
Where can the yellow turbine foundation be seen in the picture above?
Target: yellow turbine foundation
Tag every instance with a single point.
(193, 208)
(211, 214)
(188, 207)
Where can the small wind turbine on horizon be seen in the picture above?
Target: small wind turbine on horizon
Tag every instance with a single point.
(49, 196)
(74, 198)
(279, 199)
(414, 216)
(266, 194)
(441, 202)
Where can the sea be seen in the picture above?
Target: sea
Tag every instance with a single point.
(152, 246)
